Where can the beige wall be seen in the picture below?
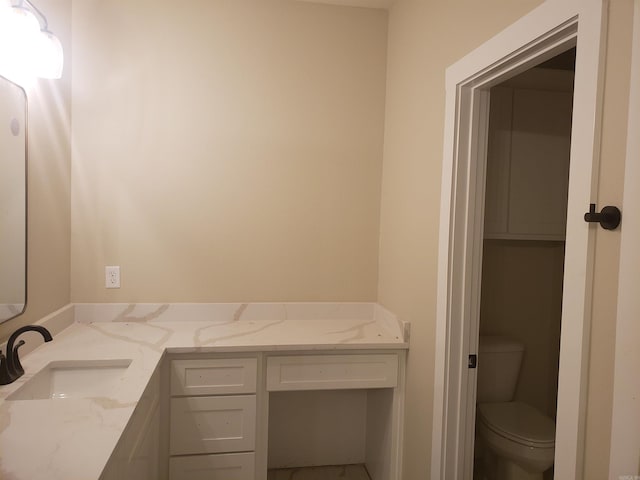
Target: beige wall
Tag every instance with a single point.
(49, 164)
(227, 151)
(424, 38)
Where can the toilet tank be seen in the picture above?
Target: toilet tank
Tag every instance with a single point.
(499, 360)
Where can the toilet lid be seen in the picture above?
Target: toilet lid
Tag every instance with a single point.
(518, 422)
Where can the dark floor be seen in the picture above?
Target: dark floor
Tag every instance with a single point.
(478, 473)
(340, 472)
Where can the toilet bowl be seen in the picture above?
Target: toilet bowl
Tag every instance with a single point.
(518, 439)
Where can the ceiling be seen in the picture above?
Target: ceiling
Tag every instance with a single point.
(355, 3)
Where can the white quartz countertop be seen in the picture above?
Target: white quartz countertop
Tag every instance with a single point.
(70, 439)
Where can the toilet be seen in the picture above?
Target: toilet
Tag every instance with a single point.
(517, 440)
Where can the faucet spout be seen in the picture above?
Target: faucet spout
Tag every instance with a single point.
(12, 360)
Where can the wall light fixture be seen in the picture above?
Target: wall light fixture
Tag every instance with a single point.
(27, 47)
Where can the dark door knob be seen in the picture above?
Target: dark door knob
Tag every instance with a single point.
(609, 217)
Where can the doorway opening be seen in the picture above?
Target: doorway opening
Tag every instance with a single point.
(525, 207)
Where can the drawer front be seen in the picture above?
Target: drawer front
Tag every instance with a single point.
(330, 372)
(215, 376)
(231, 466)
(212, 424)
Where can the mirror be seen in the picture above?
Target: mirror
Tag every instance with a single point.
(13, 199)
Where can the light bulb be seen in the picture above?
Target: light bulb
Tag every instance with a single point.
(23, 23)
(5, 37)
(5, 8)
(49, 56)
(21, 30)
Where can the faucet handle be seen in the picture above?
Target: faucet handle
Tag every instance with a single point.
(17, 366)
(6, 375)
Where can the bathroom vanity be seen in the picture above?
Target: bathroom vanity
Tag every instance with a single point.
(215, 391)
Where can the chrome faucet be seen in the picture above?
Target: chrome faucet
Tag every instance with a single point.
(10, 366)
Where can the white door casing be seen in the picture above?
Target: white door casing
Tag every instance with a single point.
(548, 30)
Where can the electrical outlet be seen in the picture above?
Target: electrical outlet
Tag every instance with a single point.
(112, 277)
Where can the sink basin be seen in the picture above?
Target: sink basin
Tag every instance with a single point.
(73, 379)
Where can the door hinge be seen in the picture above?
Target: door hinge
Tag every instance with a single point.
(473, 360)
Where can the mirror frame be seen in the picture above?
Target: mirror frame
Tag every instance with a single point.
(26, 198)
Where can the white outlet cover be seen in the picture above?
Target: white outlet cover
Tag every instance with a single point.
(112, 277)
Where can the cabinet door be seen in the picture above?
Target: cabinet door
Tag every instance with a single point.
(539, 173)
(496, 203)
(528, 164)
(136, 457)
(212, 424)
(233, 466)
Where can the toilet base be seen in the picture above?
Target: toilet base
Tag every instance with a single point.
(500, 468)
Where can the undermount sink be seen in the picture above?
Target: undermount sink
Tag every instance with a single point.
(74, 379)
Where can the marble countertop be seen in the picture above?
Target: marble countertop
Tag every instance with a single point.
(73, 438)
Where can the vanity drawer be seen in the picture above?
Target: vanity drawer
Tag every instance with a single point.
(214, 376)
(330, 372)
(212, 424)
(230, 466)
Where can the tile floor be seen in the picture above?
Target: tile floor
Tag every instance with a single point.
(478, 472)
(340, 472)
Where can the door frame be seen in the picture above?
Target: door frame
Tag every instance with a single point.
(552, 28)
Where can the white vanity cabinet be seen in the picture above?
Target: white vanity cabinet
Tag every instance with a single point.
(212, 425)
(137, 455)
(236, 416)
(336, 409)
(528, 163)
